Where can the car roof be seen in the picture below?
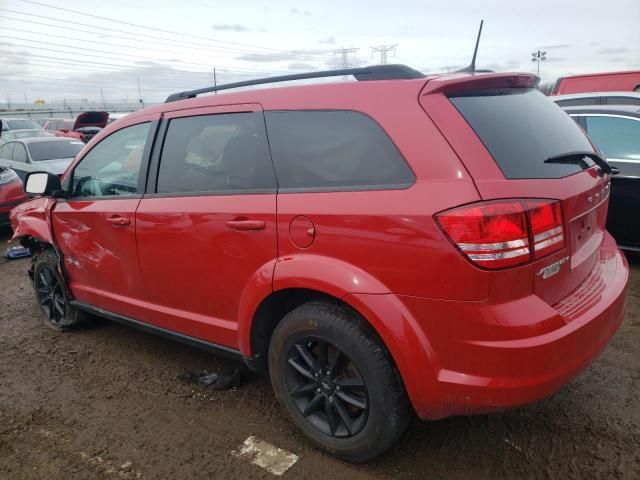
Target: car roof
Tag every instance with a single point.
(601, 74)
(630, 110)
(275, 96)
(30, 140)
(571, 96)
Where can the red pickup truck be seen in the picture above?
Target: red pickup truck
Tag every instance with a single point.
(598, 82)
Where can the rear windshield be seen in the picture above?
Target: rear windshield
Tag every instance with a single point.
(522, 128)
(41, 151)
(21, 123)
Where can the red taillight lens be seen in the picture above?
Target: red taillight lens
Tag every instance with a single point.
(498, 234)
(546, 227)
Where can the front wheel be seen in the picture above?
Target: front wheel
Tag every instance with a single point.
(335, 379)
(51, 293)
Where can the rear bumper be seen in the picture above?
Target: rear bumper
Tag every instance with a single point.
(495, 356)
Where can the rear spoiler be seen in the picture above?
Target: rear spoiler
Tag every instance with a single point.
(452, 84)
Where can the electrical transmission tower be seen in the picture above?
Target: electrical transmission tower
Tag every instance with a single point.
(345, 54)
(383, 50)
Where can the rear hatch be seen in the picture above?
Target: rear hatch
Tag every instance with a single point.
(91, 119)
(517, 144)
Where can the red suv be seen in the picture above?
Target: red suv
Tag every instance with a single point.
(393, 245)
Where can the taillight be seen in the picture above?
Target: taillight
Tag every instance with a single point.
(547, 229)
(505, 233)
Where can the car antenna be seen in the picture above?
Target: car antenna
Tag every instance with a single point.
(471, 68)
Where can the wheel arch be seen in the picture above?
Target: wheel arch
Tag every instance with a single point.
(385, 315)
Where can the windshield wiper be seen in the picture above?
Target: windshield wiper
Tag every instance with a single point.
(579, 158)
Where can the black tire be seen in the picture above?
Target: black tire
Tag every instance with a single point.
(51, 293)
(372, 395)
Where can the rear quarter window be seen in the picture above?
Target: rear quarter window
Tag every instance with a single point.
(333, 150)
(521, 128)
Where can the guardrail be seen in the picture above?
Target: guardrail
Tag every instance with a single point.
(60, 113)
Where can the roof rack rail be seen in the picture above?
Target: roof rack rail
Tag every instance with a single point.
(375, 72)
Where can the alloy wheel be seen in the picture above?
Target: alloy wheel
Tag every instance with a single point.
(326, 387)
(50, 295)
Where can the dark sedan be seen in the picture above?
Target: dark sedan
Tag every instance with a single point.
(615, 130)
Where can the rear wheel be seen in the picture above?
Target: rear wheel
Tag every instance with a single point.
(337, 382)
(51, 293)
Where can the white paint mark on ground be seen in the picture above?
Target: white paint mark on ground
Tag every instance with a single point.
(263, 454)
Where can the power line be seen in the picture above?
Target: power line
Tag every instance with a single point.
(136, 37)
(102, 29)
(384, 50)
(134, 63)
(122, 22)
(118, 54)
(114, 55)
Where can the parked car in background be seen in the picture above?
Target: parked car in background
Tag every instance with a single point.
(598, 82)
(597, 98)
(9, 124)
(615, 130)
(85, 126)
(116, 116)
(58, 124)
(438, 245)
(28, 133)
(50, 154)
(11, 193)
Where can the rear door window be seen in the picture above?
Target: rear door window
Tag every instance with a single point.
(6, 151)
(226, 152)
(19, 153)
(333, 150)
(617, 137)
(521, 128)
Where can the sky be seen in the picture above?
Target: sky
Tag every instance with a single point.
(69, 50)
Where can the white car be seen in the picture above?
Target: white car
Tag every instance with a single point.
(51, 154)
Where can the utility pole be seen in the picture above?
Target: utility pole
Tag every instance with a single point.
(383, 50)
(102, 96)
(140, 94)
(345, 55)
(538, 56)
(214, 79)
(25, 98)
(8, 102)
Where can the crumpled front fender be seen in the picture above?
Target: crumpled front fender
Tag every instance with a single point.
(33, 219)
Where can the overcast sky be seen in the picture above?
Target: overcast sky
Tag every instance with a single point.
(76, 48)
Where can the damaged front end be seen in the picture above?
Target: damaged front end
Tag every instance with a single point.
(31, 224)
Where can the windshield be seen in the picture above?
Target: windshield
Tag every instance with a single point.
(522, 128)
(41, 151)
(21, 123)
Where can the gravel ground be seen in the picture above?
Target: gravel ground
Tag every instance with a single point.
(106, 402)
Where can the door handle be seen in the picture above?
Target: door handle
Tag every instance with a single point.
(246, 224)
(119, 221)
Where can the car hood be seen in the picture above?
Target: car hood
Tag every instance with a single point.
(91, 119)
(56, 166)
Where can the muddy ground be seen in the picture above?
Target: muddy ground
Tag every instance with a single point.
(106, 402)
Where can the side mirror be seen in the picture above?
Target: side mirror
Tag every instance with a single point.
(42, 183)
